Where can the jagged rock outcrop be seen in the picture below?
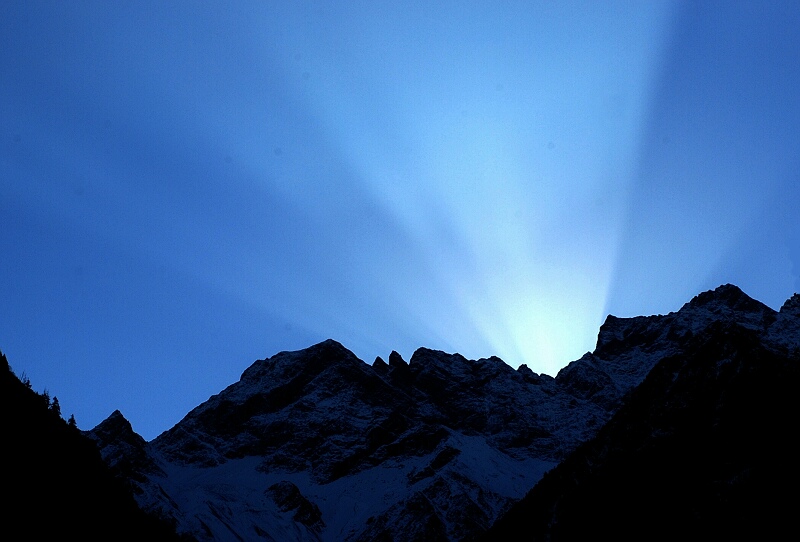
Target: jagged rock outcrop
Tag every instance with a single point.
(288, 498)
(318, 445)
(703, 448)
(129, 452)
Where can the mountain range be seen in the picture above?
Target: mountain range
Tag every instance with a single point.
(674, 424)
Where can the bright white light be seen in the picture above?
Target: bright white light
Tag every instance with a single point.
(505, 165)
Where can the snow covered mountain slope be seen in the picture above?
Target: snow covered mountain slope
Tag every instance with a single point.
(318, 445)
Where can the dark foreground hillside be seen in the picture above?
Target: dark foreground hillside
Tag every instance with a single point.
(704, 448)
(55, 485)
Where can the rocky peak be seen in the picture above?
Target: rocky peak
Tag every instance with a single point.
(309, 361)
(396, 360)
(791, 306)
(725, 293)
(425, 360)
(727, 302)
(324, 389)
(617, 334)
(729, 296)
(116, 428)
(380, 366)
(124, 450)
(427, 356)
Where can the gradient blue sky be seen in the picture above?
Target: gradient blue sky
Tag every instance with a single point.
(186, 187)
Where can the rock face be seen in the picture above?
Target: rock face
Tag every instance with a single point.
(703, 448)
(318, 445)
(129, 454)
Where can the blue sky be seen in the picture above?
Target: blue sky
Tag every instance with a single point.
(187, 187)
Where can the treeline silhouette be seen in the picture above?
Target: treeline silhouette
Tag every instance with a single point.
(55, 484)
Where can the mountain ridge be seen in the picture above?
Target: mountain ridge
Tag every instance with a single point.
(702, 448)
(438, 448)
